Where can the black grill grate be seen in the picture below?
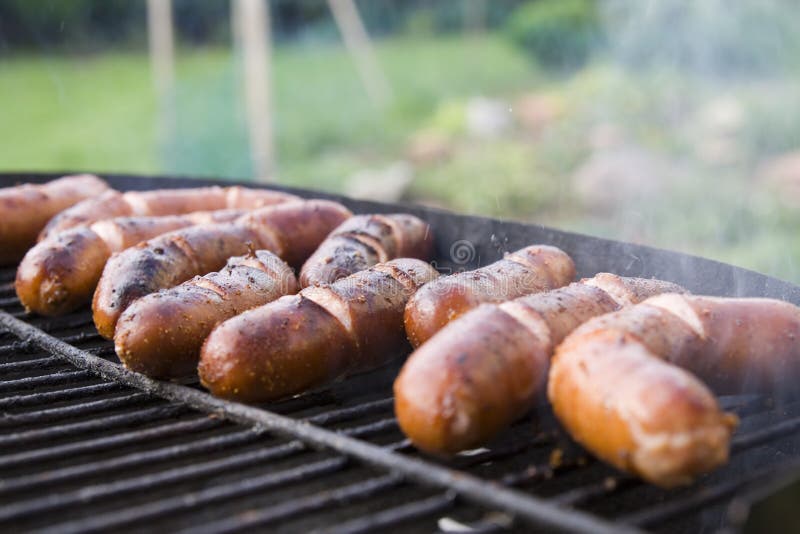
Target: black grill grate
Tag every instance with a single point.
(88, 446)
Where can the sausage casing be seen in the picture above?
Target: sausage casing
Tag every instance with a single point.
(291, 230)
(305, 340)
(676, 344)
(60, 274)
(161, 202)
(364, 240)
(25, 210)
(529, 270)
(160, 334)
(483, 370)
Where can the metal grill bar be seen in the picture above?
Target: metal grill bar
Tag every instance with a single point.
(29, 365)
(68, 322)
(75, 429)
(16, 347)
(75, 410)
(764, 435)
(128, 461)
(335, 416)
(165, 506)
(44, 380)
(106, 443)
(83, 337)
(392, 516)
(534, 510)
(33, 399)
(652, 516)
(8, 301)
(259, 518)
(148, 481)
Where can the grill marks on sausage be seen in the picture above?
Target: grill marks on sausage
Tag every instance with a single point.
(59, 274)
(320, 334)
(161, 334)
(291, 230)
(488, 367)
(364, 240)
(529, 270)
(668, 425)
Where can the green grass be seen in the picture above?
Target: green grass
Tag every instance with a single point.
(99, 112)
(62, 113)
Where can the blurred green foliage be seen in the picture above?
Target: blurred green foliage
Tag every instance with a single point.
(558, 34)
(704, 134)
(63, 26)
(99, 112)
(495, 178)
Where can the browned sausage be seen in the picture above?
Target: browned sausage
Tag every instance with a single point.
(160, 334)
(364, 240)
(488, 367)
(528, 270)
(162, 202)
(305, 340)
(292, 230)
(660, 421)
(25, 210)
(60, 274)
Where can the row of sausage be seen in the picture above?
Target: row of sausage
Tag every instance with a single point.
(204, 280)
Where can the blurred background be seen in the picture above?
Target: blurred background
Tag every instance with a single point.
(664, 122)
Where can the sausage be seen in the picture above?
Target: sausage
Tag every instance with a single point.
(485, 369)
(161, 202)
(305, 340)
(528, 270)
(364, 240)
(161, 334)
(292, 230)
(59, 274)
(665, 423)
(25, 210)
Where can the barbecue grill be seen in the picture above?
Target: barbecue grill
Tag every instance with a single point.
(88, 446)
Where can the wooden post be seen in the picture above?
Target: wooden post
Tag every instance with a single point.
(162, 64)
(358, 45)
(253, 29)
(475, 16)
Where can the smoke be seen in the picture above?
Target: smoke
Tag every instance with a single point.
(693, 129)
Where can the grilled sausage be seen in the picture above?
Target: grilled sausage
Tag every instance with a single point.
(486, 368)
(60, 274)
(161, 334)
(661, 422)
(292, 230)
(161, 202)
(528, 270)
(364, 240)
(25, 210)
(302, 341)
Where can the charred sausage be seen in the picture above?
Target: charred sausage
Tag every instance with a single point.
(483, 370)
(364, 240)
(660, 421)
(60, 274)
(302, 341)
(292, 230)
(161, 202)
(25, 210)
(528, 270)
(160, 334)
